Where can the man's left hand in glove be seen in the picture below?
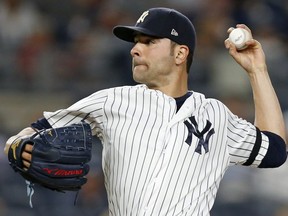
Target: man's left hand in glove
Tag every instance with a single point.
(54, 158)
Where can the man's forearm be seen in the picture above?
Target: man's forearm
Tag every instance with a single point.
(268, 113)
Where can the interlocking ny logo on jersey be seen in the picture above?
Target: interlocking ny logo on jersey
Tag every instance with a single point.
(143, 16)
(203, 135)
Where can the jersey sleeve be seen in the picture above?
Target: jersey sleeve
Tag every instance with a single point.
(247, 145)
(89, 108)
(41, 124)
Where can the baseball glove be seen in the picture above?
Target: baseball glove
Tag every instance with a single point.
(59, 157)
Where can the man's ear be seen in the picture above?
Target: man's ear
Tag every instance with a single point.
(181, 53)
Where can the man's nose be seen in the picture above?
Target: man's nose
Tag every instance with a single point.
(135, 51)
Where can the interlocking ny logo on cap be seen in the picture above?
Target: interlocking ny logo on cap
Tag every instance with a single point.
(143, 16)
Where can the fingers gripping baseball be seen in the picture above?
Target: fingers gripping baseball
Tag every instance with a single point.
(247, 52)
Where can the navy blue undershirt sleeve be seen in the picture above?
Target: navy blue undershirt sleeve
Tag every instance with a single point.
(276, 154)
(41, 124)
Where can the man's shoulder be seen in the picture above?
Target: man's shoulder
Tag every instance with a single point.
(126, 87)
(115, 89)
(202, 97)
(123, 91)
(202, 101)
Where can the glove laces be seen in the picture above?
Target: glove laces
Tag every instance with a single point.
(30, 192)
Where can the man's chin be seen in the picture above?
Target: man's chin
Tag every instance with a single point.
(138, 78)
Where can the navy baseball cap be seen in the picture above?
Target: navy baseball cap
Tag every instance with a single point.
(162, 23)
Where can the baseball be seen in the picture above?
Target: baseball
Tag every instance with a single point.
(239, 37)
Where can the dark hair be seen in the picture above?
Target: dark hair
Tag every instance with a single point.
(189, 61)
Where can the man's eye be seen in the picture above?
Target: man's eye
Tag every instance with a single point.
(150, 41)
(146, 41)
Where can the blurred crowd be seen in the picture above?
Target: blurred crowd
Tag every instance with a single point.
(65, 49)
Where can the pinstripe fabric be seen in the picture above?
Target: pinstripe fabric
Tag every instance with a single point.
(150, 166)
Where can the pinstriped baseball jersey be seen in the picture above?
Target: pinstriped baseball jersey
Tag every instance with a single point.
(157, 161)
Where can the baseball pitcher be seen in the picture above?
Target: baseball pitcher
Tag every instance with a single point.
(165, 147)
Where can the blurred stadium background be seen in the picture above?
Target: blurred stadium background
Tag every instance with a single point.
(53, 53)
